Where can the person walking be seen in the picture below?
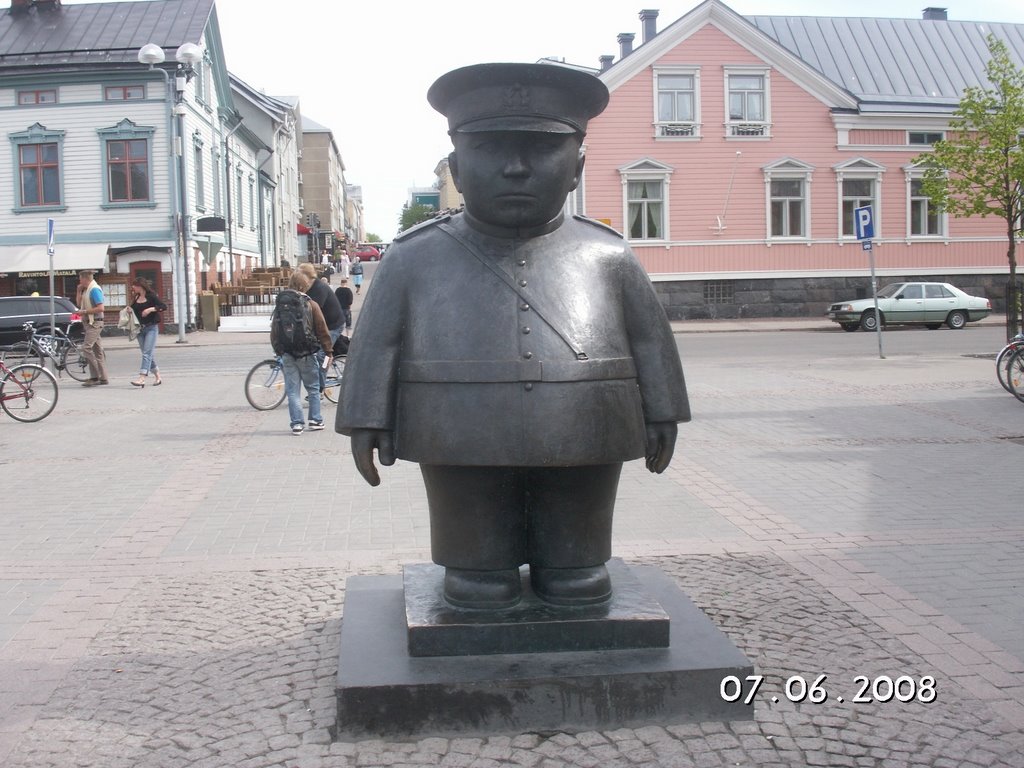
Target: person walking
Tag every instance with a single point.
(297, 332)
(147, 307)
(357, 273)
(90, 300)
(320, 292)
(344, 264)
(345, 298)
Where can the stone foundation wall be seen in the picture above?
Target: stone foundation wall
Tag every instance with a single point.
(797, 297)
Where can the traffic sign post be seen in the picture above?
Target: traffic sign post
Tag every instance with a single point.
(49, 253)
(864, 228)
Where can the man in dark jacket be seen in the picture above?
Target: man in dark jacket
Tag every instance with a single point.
(520, 357)
(320, 292)
(345, 298)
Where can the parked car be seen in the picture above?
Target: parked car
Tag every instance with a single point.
(15, 311)
(367, 253)
(927, 304)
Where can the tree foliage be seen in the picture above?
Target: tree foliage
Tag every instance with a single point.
(372, 238)
(978, 170)
(414, 214)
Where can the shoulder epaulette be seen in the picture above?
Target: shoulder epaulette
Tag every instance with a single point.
(599, 224)
(422, 226)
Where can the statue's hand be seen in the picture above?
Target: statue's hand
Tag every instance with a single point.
(363, 443)
(661, 443)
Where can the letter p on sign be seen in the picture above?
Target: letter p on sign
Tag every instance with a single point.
(863, 223)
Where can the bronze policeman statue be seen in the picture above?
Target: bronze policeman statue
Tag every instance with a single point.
(517, 354)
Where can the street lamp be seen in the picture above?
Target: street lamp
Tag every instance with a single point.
(187, 56)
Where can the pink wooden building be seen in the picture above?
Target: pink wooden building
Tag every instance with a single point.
(735, 149)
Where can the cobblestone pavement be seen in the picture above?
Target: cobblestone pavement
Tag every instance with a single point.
(174, 599)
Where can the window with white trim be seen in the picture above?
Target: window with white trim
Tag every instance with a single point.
(645, 185)
(788, 199)
(924, 138)
(197, 161)
(677, 103)
(858, 183)
(925, 219)
(748, 113)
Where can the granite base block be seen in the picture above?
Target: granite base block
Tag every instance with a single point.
(632, 618)
(384, 692)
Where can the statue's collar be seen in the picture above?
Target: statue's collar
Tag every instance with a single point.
(514, 233)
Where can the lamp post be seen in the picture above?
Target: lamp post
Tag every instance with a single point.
(187, 56)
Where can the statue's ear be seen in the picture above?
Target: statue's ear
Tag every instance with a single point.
(580, 161)
(453, 166)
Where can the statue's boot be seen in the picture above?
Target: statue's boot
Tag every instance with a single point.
(571, 586)
(492, 590)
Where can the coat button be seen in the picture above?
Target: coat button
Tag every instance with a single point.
(524, 307)
(522, 283)
(528, 386)
(526, 331)
(522, 262)
(527, 355)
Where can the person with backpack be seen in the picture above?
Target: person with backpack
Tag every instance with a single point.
(357, 273)
(297, 332)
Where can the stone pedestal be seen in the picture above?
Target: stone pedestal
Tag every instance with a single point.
(384, 691)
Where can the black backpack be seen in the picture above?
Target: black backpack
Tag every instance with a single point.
(292, 325)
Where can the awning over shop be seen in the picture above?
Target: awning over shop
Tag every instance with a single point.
(33, 258)
(302, 229)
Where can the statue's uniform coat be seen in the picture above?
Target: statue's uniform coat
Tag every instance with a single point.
(466, 372)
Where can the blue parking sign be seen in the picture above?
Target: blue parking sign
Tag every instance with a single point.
(863, 223)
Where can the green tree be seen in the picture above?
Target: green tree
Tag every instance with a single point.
(414, 214)
(372, 238)
(978, 170)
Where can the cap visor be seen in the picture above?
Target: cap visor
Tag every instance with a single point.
(516, 123)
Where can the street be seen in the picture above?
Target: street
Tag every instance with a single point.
(174, 562)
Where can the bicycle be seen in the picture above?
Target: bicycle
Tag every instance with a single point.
(1015, 373)
(27, 392)
(1004, 358)
(264, 385)
(65, 353)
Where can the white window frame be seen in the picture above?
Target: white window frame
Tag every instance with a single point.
(926, 144)
(682, 130)
(914, 173)
(647, 169)
(747, 130)
(859, 168)
(788, 169)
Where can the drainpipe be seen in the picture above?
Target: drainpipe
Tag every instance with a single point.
(227, 197)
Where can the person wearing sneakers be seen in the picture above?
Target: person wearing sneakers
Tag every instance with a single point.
(90, 301)
(147, 307)
(297, 332)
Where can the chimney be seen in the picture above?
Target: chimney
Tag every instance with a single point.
(649, 18)
(934, 14)
(606, 62)
(625, 44)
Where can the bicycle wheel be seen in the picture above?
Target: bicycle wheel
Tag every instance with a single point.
(1015, 374)
(332, 389)
(28, 393)
(73, 361)
(23, 353)
(264, 386)
(1003, 363)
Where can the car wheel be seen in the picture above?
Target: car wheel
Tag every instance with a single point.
(956, 320)
(850, 327)
(933, 326)
(867, 320)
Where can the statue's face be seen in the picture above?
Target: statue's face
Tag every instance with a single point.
(516, 178)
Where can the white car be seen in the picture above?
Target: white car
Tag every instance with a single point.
(927, 304)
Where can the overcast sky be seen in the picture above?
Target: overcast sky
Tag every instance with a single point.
(362, 68)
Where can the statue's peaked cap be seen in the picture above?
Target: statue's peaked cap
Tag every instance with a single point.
(546, 98)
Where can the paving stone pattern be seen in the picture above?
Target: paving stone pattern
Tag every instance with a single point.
(175, 599)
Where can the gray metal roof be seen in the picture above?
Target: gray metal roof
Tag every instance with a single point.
(891, 64)
(98, 33)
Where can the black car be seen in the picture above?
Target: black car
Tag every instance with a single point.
(15, 311)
